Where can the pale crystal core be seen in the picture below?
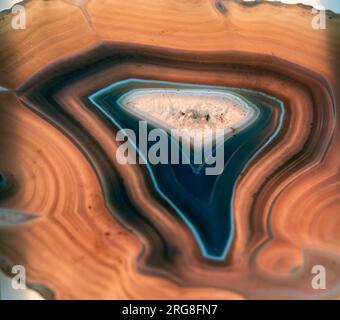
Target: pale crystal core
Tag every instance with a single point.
(198, 111)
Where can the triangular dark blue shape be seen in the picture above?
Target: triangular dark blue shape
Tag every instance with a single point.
(205, 202)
